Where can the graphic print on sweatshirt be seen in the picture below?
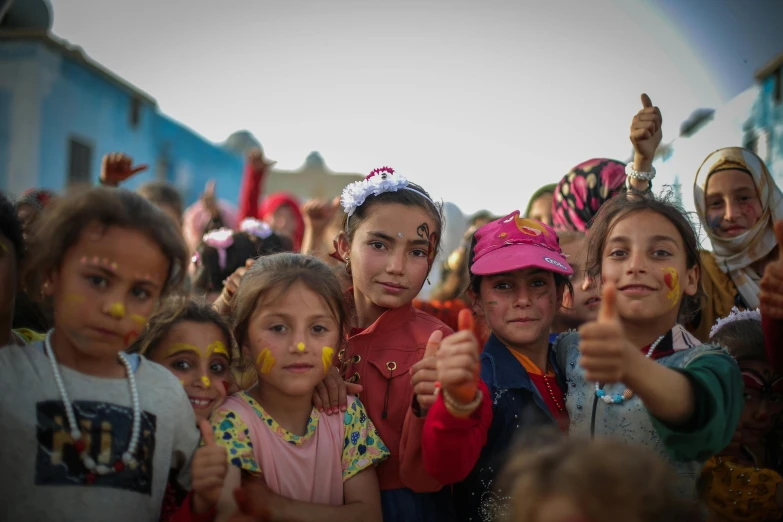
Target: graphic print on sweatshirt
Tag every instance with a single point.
(106, 433)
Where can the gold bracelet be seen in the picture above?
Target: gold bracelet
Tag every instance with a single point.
(461, 410)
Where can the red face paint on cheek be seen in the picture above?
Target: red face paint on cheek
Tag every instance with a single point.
(130, 337)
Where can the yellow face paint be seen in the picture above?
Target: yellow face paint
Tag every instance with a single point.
(218, 348)
(300, 346)
(326, 356)
(265, 361)
(672, 280)
(182, 382)
(139, 320)
(205, 380)
(117, 310)
(180, 347)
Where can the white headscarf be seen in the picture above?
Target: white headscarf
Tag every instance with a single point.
(736, 255)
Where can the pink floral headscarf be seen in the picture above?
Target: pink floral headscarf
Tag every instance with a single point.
(582, 191)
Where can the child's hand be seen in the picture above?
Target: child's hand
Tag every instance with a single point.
(331, 395)
(424, 374)
(606, 353)
(646, 130)
(256, 502)
(771, 295)
(223, 303)
(319, 214)
(458, 361)
(210, 465)
(117, 167)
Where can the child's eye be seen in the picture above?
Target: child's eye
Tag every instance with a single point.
(419, 253)
(662, 253)
(181, 365)
(775, 398)
(320, 329)
(502, 286)
(617, 253)
(278, 328)
(377, 245)
(218, 367)
(98, 281)
(538, 283)
(715, 204)
(140, 294)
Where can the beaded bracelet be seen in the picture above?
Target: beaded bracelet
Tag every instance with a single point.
(637, 174)
(461, 410)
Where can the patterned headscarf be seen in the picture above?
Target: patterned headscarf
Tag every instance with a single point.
(736, 255)
(582, 191)
(37, 198)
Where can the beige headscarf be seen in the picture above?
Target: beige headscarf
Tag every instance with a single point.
(736, 255)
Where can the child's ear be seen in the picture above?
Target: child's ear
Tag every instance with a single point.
(343, 246)
(565, 296)
(49, 284)
(692, 280)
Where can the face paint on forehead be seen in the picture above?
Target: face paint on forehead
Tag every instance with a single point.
(765, 383)
(218, 348)
(180, 347)
(101, 262)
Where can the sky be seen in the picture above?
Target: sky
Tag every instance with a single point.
(479, 102)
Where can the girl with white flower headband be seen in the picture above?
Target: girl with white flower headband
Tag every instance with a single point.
(743, 481)
(391, 235)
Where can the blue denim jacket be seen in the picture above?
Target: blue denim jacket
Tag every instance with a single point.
(516, 405)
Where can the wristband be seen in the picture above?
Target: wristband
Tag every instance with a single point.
(461, 410)
(636, 174)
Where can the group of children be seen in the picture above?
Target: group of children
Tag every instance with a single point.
(296, 391)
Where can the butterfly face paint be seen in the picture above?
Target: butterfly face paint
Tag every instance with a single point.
(672, 280)
(265, 361)
(327, 354)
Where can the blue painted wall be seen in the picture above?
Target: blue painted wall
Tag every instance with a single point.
(77, 102)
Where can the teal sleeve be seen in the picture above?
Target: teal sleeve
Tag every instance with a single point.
(717, 389)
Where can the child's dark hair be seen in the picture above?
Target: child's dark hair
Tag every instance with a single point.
(744, 339)
(409, 198)
(209, 275)
(269, 277)
(605, 479)
(622, 206)
(173, 312)
(162, 193)
(64, 221)
(11, 227)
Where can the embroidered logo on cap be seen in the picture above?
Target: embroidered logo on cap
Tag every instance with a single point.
(556, 263)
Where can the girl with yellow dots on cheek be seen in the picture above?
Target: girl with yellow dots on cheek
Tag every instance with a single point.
(194, 343)
(290, 321)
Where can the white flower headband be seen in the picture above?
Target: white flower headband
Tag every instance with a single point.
(379, 181)
(256, 228)
(735, 315)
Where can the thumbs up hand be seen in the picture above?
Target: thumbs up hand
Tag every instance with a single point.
(210, 465)
(771, 295)
(424, 373)
(646, 131)
(458, 361)
(606, 353)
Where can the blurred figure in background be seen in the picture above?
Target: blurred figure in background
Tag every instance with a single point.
(540, 206)
(29, 207)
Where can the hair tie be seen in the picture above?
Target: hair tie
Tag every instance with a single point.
(735, 315)
(255, 227)
(220, 240)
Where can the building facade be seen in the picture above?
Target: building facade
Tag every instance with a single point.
(765, 126)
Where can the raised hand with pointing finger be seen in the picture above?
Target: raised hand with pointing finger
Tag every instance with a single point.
(209, 468)
(117, 167)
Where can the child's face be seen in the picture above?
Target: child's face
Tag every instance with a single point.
(292, 341)
(648, 265)
(105, 289)
(520, 306)
(541, 209)
(733, 204)
(584, 304)
(390, 254)
(763, 401)
(8, 279)
(197, 353)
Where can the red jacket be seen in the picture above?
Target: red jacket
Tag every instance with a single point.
(380, 358)
(185, 512)
(451, 446)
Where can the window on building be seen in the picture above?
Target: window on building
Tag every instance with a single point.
(135, 112)
(79, 161)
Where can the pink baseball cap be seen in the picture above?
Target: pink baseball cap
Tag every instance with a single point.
(513, 243)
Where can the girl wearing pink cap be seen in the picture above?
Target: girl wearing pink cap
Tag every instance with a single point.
(518, 277)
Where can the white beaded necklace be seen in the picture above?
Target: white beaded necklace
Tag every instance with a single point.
(76, 434)
(627, 393)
